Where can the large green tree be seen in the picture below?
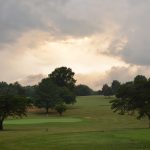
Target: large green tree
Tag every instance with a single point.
(11, 105)
(56, 90)
(48, 94)
(134, 97)
(67, 96)
(63, 77)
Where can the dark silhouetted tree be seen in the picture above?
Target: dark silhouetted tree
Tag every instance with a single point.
(133, 97)
(58, 88)
(115, 87)
(11, 105)
(106, 90)
(13, 88)
(63, 77)
(83, 90)
(48, 94)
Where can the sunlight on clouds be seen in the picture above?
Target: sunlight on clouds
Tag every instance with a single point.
(39, 53)
(79, 54)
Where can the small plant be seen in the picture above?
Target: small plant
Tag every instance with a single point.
(60, 108)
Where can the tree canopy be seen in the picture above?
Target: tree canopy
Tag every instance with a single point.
(13, 88)
(133, 97)
(83, 90)
(115, 86)
(47, 94)
(106, 90)
(11, 105)
(63, 77)
(12, 101)
(58, 88)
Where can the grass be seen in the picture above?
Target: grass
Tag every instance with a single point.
(88, 125)
(39, 121)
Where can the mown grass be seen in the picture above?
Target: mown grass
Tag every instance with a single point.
(100, 129)
(40, 121)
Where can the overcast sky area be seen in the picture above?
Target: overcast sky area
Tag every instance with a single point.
(101, 40)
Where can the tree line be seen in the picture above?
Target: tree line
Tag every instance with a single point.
(59, 89)
(110, 90)
(84, 90)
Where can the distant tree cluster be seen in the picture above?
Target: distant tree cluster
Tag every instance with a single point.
(83, 90)
(13, 89)
(110, 90)
(133, 98)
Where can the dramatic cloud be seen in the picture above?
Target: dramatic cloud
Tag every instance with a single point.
(106, 37)
(131, 42)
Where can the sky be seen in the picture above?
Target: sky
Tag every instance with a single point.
(101, 40)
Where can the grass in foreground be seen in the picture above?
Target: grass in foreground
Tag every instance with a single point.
(99, 129)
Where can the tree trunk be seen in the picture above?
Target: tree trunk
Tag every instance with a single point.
(60, 114)
(47, 110)
(1, 125)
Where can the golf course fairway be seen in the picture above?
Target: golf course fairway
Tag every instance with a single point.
(40, 121)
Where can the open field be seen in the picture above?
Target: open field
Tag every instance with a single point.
(88, 125)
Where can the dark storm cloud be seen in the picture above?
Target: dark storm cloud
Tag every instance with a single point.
(134, 23)
(18, 17)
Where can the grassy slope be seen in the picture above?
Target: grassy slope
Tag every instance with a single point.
(99, 129)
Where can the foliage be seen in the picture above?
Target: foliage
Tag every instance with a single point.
(12, 101)
(48, 94)
(99, 92)
(106, 90)
(115, 86)
(60, 108)
(83, 90)
(13, 88)
(67, 96)
(11, 105)
(30, 91)
(4, 88)
(58, 87)
(63, 77)
(134, 96)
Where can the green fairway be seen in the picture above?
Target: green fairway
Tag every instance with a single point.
(90, 124)
(40, 120)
